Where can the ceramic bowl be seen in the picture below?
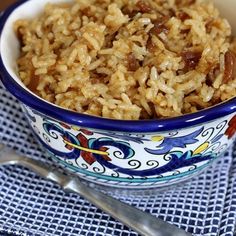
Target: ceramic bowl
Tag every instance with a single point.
(128, 154)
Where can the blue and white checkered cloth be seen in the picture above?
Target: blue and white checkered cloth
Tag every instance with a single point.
(30, 205)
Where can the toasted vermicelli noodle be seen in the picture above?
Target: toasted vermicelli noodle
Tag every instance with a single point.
(129, 59)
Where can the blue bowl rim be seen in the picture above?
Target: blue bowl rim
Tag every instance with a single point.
(88, 121)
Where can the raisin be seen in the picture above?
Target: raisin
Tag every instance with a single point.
(230, 66)
(159, 25)
(150, 45)
(191, 59)
(143, 7)
(183, 16)
(133, 63)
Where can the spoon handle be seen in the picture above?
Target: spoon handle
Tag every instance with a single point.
(140, 221)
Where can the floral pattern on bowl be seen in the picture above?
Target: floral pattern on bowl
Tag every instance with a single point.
(130, 159)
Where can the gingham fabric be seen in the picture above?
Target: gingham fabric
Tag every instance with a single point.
(30, 205)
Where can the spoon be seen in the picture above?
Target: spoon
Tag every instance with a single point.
(141, 222)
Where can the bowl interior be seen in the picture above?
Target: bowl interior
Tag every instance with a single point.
(227, 10)
(9, 43)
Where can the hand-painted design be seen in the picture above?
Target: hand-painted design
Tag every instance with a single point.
(217, 138)
(124, 150)
(188, 158)
(97, 150)
(135, 164)
(125, 137)
(86, 150)
(214, 134)
(201, 148)
(173, 134)
(91, 150)
(115, 174)
(211, 147)
(85, 131)
(153, 163)
(168, 143)
(231, 131)
(177, 160)
(46, 138)
(36, 129)
(99, 170)
(64, 125)
(193, 167)
(53, 130)
(29, 116)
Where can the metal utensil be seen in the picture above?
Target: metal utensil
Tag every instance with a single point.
(141, 222)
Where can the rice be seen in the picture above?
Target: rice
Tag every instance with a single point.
(129, 59)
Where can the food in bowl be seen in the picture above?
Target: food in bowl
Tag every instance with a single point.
(129, 154)
(129, 59)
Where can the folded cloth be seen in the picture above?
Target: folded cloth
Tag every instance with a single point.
(30, 205)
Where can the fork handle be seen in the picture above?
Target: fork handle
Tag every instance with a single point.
(140, 221)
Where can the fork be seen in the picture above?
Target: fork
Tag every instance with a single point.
(143, 223)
